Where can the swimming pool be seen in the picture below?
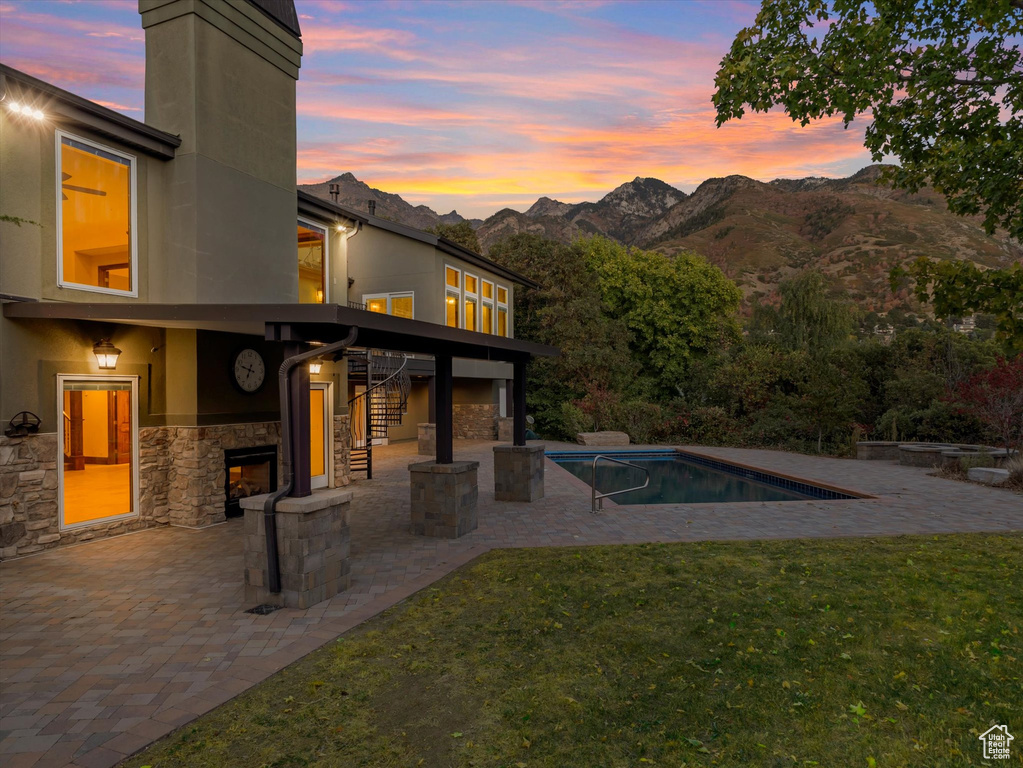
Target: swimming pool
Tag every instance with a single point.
(678, 477)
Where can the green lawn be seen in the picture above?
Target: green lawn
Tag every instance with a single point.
(886, 652)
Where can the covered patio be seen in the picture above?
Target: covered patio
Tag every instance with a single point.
(107, 646)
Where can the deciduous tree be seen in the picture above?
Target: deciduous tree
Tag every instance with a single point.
(941, 82)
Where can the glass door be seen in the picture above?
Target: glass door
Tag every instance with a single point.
(321, 433)
(98, 432)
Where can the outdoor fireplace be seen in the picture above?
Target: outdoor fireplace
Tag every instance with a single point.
(248, 472)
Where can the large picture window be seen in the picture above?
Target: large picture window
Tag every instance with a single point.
(98, 469)
(312, 263)
(95, 217)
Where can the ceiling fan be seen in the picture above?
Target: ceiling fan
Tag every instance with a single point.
(72, 188)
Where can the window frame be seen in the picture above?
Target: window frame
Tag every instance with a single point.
(132, 217)
(135, 487)
(491, 302)
(456, 291)
(502, 305)
(474, 297)
(367, 297)
(310, 224)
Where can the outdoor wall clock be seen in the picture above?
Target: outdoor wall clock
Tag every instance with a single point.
(249, 370)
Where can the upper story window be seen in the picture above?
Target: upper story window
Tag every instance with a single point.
(502, 311)
(452, 296)
(396, 304)
(471, 303)
(96, 217)
(312, 263)
(475, 303)
(487, 306)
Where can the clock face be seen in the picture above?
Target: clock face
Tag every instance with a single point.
(249, 370)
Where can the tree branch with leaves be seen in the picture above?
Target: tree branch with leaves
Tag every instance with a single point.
(941, 82)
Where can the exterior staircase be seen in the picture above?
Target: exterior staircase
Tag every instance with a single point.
(380, 405)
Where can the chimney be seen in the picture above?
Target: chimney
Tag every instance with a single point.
(335, 190)
(221, 74)
(372, 207)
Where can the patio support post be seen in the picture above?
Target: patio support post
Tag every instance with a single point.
(431, 394)
(445, 409)
(519, 413)
(300, 438)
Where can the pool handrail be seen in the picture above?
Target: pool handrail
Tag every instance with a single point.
(597, 499)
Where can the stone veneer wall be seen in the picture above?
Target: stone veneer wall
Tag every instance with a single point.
(181, 481)
(475, 421)
(342, 451)
(28, 500)
(195, 482)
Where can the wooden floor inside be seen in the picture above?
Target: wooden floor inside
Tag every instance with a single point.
(96, 492)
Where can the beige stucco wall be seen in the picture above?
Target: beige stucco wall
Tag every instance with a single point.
(384, 262)
(222, 76)
(380, 261)
(34, 352)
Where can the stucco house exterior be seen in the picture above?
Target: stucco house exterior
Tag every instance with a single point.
(155, 275)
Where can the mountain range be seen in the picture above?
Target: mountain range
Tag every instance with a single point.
(757, 232)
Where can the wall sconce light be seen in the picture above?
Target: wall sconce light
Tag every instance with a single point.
(315, 366)
(106, 354)
(319, 295)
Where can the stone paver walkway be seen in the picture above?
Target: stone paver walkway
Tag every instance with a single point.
(107, 646)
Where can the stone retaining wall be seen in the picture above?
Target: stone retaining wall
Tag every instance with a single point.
(474, 421)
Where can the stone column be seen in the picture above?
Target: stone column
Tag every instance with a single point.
(427, 439)
(444, 498)
(505, 429)
(314, 545)
(518, 472)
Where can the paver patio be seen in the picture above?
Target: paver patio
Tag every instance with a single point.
(107, 646)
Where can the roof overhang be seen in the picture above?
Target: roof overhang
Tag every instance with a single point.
(65, 108)
(307, 323)
(310, 204)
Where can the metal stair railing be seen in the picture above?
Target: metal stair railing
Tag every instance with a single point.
(597, 499)
(379, 406)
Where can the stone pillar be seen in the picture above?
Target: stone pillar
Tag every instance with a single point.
(314, 545)
(427, 439)
(444, 498)
(505, 429)
(518, 472)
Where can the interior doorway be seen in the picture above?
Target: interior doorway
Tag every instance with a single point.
(98, 432)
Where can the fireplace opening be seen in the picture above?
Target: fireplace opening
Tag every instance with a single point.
(248, 472)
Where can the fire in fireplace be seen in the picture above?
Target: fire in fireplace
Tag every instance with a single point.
(248, 472)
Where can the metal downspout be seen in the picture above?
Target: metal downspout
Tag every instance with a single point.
(273, 562)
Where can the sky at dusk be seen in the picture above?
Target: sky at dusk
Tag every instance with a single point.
(478, 106)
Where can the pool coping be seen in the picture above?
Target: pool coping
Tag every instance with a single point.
(857, 495)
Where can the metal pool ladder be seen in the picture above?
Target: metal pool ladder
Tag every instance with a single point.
(597, 499)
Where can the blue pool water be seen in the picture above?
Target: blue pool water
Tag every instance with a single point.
(681, 478)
